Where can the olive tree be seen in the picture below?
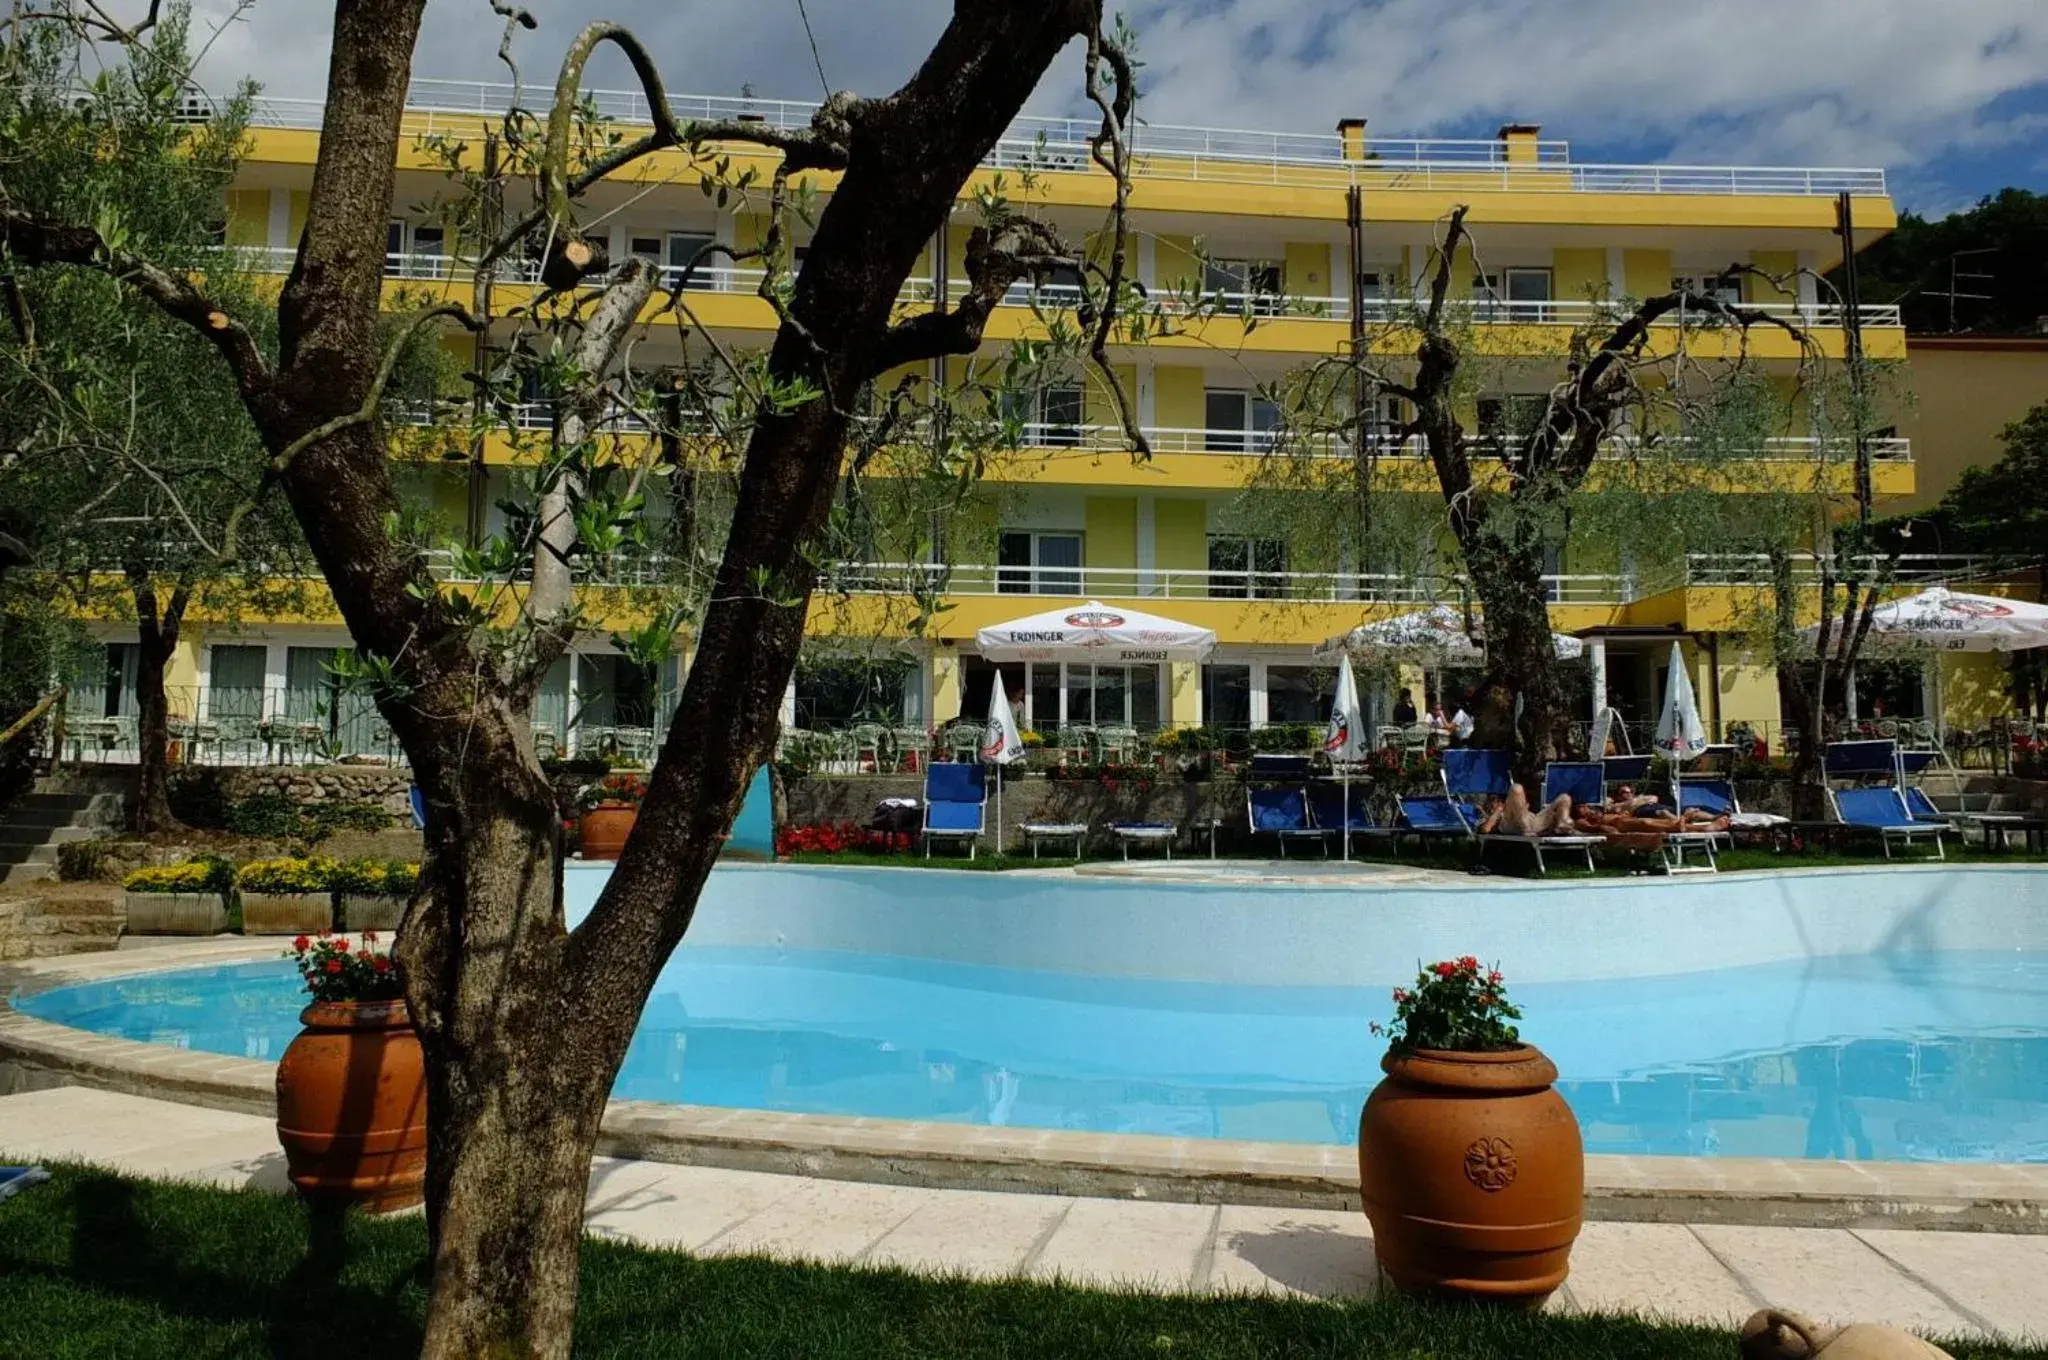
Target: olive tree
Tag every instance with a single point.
(524, 1022)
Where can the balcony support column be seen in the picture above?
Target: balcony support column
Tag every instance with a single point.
(1148, 547)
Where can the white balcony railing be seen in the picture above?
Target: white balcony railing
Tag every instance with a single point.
(1169, 151)
(1252, 587)
(1386, 311)
(1754, 569)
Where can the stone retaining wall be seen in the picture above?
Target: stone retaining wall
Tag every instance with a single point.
(380, 785)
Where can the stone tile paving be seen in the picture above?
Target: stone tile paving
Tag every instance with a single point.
(1952, 1283)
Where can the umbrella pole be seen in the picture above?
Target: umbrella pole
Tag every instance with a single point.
(1345, 777)
(999, 810)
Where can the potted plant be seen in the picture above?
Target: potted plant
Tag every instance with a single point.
(351, 1088)
(371, 894)
(610, 807)
(286, 896)
(1469, 1162)
(180, 899)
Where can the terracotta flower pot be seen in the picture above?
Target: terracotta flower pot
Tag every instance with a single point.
(1473, 1174)
(352, 1105)
(601, 832)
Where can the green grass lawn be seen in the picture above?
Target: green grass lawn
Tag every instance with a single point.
(1502, 860)
(100, 1266)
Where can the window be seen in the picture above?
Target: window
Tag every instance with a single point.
(1030, 563)
(1052, 417)
(841, 692)
(1243, 568)
(682, 249)
(414, 252)
(1725, 288)
(1244, 283)
(235, 684)
(1386, 417)
(1528, 291)
(1239, 422)
(648, 248)
(1298, 694)
(1553, 572)
(1512, 295)
(1378, 287)
(1081, 695)
(1061, 412)
(1227, 697)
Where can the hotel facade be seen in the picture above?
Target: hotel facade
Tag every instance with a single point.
(1259, 218)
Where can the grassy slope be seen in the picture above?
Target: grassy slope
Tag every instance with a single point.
(94, 1265)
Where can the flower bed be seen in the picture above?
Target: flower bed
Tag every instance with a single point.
(839, 838)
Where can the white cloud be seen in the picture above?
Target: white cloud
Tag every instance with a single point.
(1847, 82)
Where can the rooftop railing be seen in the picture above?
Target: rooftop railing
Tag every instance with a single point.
(1173, 151)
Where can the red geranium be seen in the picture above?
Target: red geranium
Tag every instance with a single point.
(1450, 1007)
(333, 971)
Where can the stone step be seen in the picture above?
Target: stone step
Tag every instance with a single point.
(55, 802)
(44, 835)
(40, 853)
(24, 872)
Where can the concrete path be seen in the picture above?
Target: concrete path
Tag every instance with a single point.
(1949, 1284)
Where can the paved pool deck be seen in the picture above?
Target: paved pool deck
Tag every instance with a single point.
(1947, 1284)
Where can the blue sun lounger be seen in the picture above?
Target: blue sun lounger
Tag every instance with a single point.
(1883, 810)
(1471, 773)
(1326, 802)
(1283, 814)
(955, 799)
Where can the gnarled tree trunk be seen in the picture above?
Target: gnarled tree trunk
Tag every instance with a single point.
(157, 631)
(1522, 702)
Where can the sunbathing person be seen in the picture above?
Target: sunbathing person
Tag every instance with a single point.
(1512, 816)
(1637, 816)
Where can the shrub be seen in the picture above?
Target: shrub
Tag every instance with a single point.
(287, 875)
(274, 816)
(333, 970)
(328, 818)
(1284, 737)
(373, 877)
(83, 861)
(278, 816)
(1455, 1006)
(201, 873)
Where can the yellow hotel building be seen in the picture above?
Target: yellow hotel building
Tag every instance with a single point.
(1252, 213)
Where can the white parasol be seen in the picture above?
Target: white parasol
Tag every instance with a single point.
(1680, 735)
(1344, 740)
(1095, 632)
(1001, 744)
(1439, 629)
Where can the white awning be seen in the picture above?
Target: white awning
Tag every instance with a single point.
(1945, 620)
(1095, 632)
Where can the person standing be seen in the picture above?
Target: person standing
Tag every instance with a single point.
(1404, 708)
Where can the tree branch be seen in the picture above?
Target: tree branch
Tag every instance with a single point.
(1024, 247)
(569, 257)
(38, 241)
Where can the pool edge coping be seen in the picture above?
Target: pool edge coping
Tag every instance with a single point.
(1770, 1192)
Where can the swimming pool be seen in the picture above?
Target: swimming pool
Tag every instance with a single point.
(1865, 1015)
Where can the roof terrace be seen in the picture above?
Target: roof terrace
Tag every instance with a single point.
(1521, 162)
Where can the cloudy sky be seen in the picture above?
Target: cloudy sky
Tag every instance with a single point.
(1950, 96)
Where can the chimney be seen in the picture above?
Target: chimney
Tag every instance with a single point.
(1518, 142)
(1351, 133)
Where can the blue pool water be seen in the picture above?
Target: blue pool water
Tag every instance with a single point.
(1892, 1056)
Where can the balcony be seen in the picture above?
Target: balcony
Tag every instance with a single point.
(1563, 315)
(1173, 152)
